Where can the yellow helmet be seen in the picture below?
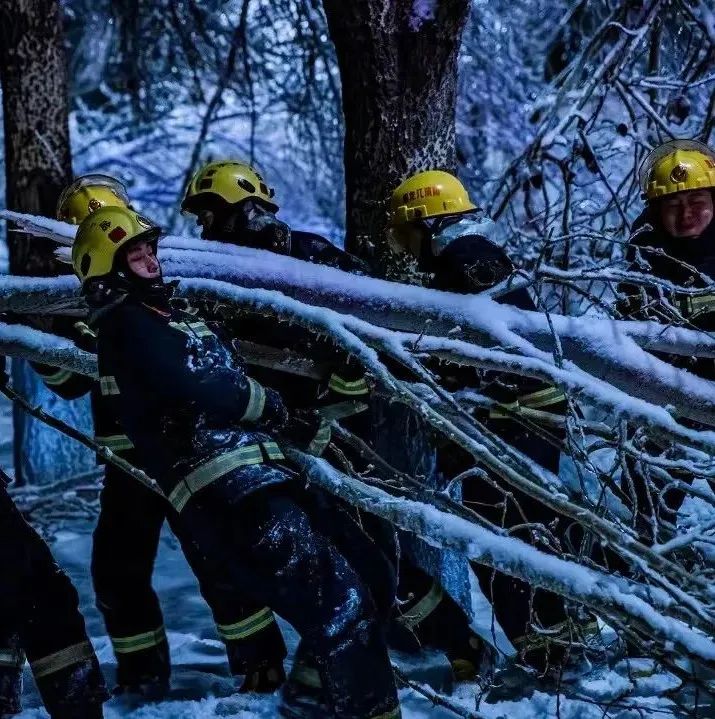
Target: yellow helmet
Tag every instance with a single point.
(677, 166)
(428, 194)
(87, 194)
(231, 182)
(102, 233)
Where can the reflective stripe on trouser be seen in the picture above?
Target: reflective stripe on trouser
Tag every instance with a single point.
(420, 611)
(64, 658)
(12, 657)
(246, 627)
(54, 379)
(321, 439)
(529, 402)
(139, 642)
(115, 442)
(215, 468)
(348, 387)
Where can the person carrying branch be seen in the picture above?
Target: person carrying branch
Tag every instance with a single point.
(443, 241)
(673, 240)
(40, 621)
(126, 538)
(207, 432)
(318, 383)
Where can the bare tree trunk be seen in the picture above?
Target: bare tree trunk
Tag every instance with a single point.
(37, 165)
(398, 65)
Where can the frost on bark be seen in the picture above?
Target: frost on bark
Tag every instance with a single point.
(37, 166)
(398, 66)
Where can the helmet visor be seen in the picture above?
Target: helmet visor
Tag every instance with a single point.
(94, 180)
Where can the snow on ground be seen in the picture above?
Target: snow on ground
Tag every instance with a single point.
(202, 688)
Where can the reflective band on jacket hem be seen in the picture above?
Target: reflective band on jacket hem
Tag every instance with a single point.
(115, 442)
(138, 642)
(218, 467)
(108, 386)
(321, 439)
(343, 386)
(64, 658)
(256, 402)
(423, 608)
(12, 658)
(246, 627)
(56, 378)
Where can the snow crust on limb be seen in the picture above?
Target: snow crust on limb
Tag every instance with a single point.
(30, 344)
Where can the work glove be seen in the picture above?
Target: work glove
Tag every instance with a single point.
(275, 414)
(302, 427)
(263, 678)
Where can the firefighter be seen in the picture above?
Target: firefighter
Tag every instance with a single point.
(126, 540)
(672, 240)
(446, 241)
(232, 200)
(207, 432)
(40, 621)
(234, 205)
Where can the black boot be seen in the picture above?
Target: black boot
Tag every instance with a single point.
(10, 691)
(75, 692)
(144, 673)
(303, 696)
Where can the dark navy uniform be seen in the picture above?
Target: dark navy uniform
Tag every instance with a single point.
(40, 620)
(125, 545)
(463, 259)
(679, 261)
(202, 428)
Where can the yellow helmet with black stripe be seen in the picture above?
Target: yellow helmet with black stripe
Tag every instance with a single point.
(102, 234)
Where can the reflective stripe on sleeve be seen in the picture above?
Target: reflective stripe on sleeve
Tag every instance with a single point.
(139, 642)
(246, 627)
(348, 387)
(115, 442)
(525, 403)
(108, 386)
(699, 304)
(321, 439)
(256, 402)
(64, 658)
(194, 329)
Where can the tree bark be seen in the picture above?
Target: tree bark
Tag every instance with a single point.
(37, 165)
(398, 66)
